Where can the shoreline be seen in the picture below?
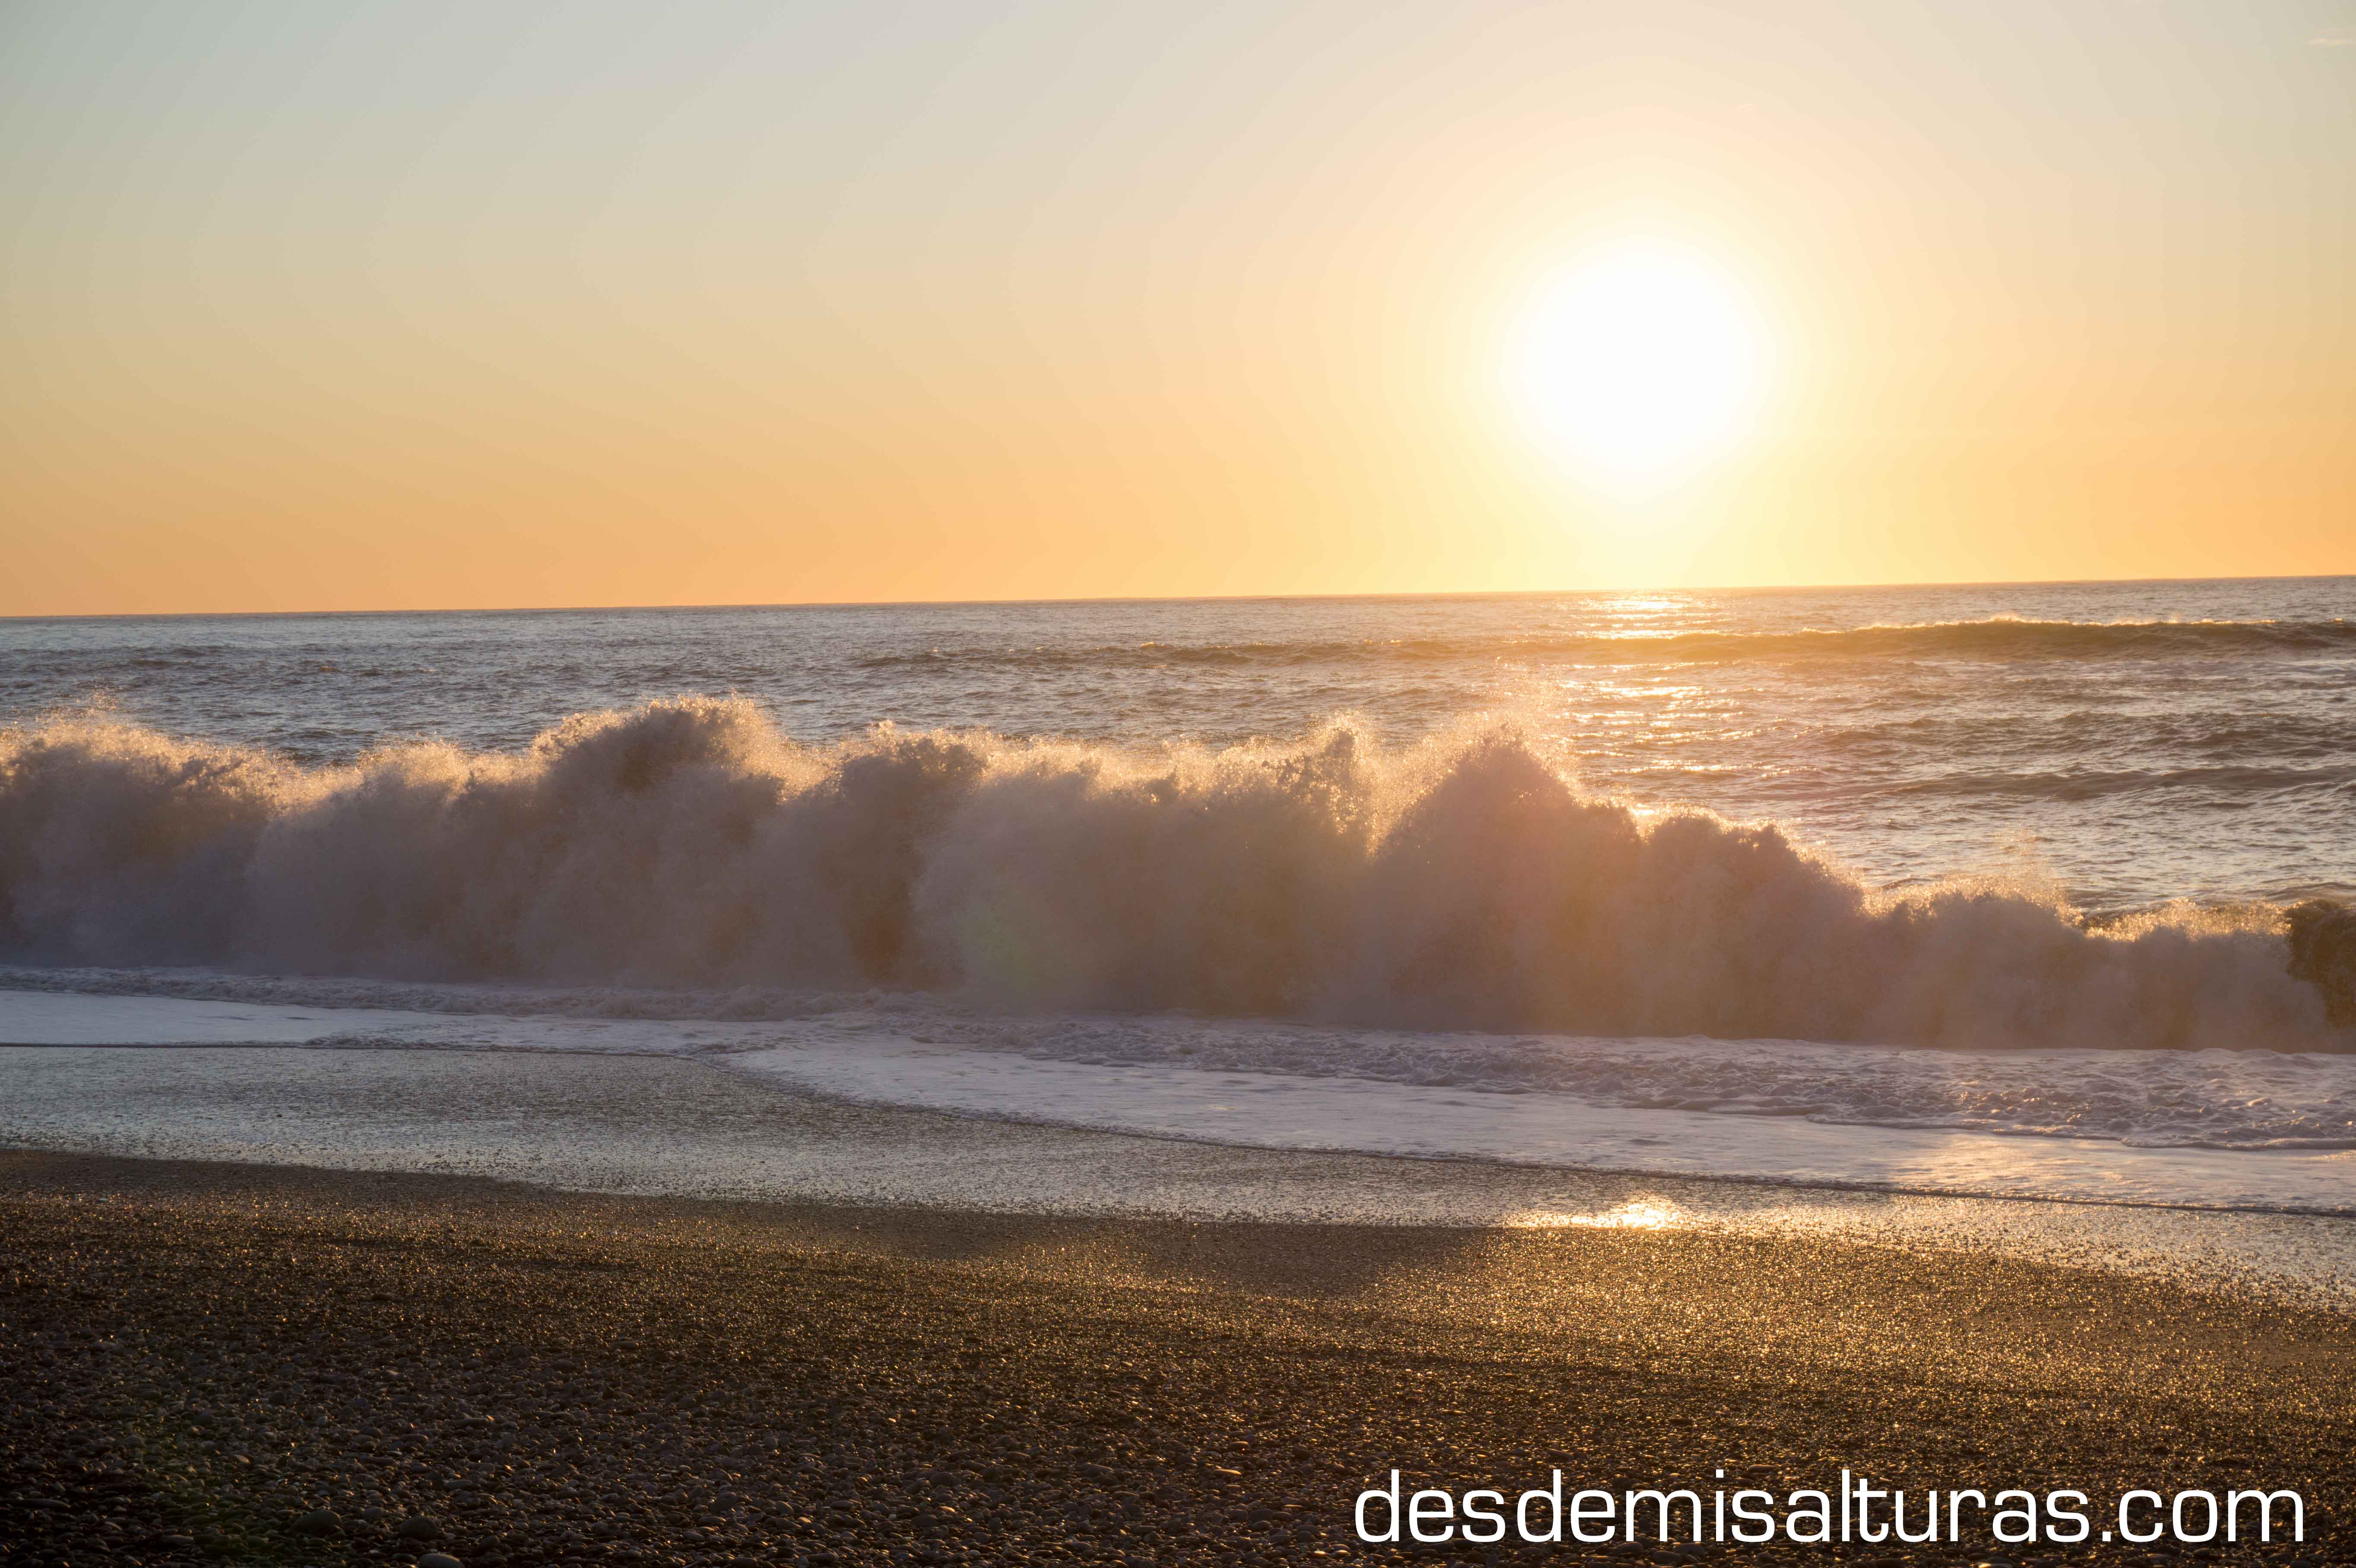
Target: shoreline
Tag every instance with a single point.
(245, 1345)
(2246, 1133)
(690, 1128)
(852, 1102)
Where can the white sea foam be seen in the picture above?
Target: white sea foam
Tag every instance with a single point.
(669, 1127)
(1465, 882)
(2143, 1127)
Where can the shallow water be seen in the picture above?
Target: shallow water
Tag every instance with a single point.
(1279, 1088)
(673, 1127)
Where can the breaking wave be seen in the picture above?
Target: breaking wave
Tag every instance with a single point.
(1463, 883)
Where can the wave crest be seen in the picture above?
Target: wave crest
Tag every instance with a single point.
(1465, 882)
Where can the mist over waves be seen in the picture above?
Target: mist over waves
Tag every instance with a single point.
(1462, 883)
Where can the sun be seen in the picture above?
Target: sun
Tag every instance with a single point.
(1637, 364)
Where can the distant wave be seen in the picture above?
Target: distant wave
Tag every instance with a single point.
(1463, 883)
(2001, 637)
(2095, 784)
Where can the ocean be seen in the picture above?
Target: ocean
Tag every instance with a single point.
(2009, 891)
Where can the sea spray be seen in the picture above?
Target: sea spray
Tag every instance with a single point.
(1466, 881)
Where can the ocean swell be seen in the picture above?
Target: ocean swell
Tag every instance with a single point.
(1465, 882)
(2001, 638)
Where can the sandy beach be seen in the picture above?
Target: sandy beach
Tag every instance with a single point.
(209, 1360)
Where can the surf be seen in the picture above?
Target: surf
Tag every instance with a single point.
(1466, 881)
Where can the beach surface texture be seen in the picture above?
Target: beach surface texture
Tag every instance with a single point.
(217, 1362)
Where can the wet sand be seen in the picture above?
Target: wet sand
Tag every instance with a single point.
(205, 1360)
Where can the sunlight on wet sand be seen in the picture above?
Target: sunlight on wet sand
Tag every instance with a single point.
(1638, 1214)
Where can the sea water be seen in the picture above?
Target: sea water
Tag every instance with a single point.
(1959, 890)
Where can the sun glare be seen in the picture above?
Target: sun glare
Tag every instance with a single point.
(1638, 363)
(1636, 1215)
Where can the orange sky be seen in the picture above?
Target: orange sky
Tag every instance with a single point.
(361, 305)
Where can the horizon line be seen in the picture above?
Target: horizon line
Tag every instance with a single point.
(1166, 598)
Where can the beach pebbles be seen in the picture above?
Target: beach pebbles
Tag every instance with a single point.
(1014, 1393)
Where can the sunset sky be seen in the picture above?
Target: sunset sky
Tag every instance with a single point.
(312, 304)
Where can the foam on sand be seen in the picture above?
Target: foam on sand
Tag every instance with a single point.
(1986, 1124)
(614, 1123)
